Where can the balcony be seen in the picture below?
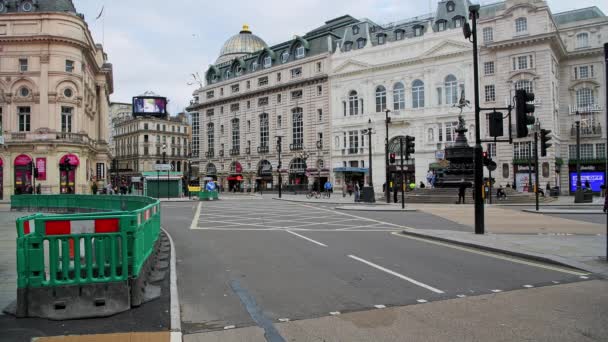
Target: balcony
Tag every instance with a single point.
(592, 108)
(296, 147)
(263, 149)
(54, 137)
(235, 151)
(587, 130)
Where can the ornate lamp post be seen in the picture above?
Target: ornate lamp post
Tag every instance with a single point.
(369, 131)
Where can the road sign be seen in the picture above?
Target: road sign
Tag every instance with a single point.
(210, 186)
(162, 167)
(492, 165)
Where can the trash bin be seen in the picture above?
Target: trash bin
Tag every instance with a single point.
(554, 192)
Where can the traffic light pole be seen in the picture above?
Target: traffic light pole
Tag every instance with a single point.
(479, 214)
(386, 189)
(536, 167)
(402, 175)
(279, 138)
(606, 190)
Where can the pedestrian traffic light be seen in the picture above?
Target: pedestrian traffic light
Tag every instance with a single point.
(410, 146)
(392, 158)
(485, 159)
(523, 111)
(544, 138)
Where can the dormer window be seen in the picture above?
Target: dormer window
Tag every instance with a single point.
(300, 51)
(238, 70)
(399, 35)
(267, 62)
(458, 21)
(450, 6)
(254, 66)
(27, 6)
(355, 29)
(227, 74)
(381, 38)
(348, 46)
(285, 57)
(441, 24)
(360, 43)
(417, 31)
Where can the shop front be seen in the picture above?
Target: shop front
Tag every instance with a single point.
(235, 178)
(593, 175)
(68, 165)
(23, 174)
(263, 181)
(297, 174)
(525, 177)
(350, 176)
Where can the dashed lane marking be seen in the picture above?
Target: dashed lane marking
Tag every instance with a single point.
(334, 313)
(528, 286)
(380, 306)
(306, 238)
(398, 275)
(228, 327)
(422, 300)
(496, 291)
(492, 255)
(283, 319)
(197, 214)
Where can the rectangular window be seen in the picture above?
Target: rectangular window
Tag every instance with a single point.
(490, 93)
(262, 81)
(319, 67)
(146, 150)
(522, 62)
(69, 66)
(235, 88)
(210, 94)
(210, 112)
(221, 91)
(492, 150)
(353, 142)
(234, 107)
(24, 119)
(586, 151)
(66, 119)
(488, 35)
(278, 98)
(298, 127)
(279, 122)
(320, 113)
(248, 84)
(296, 94)
(600, 151)
(439, 96)
(23, 64)
(488, 68)
(296, 72)
(278, 77)
(319, 90)
(522, 150)
(146, 138)
(263, 101)
(248, 104)
(450, 134)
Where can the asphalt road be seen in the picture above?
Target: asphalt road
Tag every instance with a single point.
(257, 262)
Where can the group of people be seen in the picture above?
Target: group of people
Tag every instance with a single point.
(28, 189)
(110, 189)
(350, 188)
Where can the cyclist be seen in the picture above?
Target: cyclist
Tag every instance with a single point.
(328, 187)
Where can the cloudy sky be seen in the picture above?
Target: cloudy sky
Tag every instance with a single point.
(155, 45)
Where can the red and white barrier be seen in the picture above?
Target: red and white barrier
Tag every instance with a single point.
(66, 227)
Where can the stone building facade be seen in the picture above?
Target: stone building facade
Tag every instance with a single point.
(54, 98)
(119, 111)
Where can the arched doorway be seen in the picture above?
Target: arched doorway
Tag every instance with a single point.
(23, 174)
(235, 179)
(297, 172)
(264, 176)
(68, 164)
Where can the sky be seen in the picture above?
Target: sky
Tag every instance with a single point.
(156, 45)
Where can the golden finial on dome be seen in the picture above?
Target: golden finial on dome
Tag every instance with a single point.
(245, 29)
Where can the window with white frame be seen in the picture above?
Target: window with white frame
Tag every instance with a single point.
(450, 131)
(522, 150)
(451, 90)
(285, 57)
(490, 92)
(492, 150)
(24, 119)
(521, 25)
(399, 35)
(600, 151)
(236, 134)
(488, 35)
(586, 151)
(210, 137)
(417, 94)
(69, 65)
(430, 135)
(458, 21)
(441, 25)
(380, 99)
(23, 65)
(353, 103)
(582, 40)
(267, 62)
(522, 62)
(66, 119)
(525, 85)
(298, 126)
(381, 38)
(488, 68)
(300, 51)
(264, 129)
(398, 96)
(584, 97)
(296, 72)
(353, 142)
(254, 66)
(582, 72)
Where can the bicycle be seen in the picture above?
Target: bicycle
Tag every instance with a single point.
(326, 194)
(312, 194)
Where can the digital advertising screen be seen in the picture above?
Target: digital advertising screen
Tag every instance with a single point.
(595, 178)
(144, 105)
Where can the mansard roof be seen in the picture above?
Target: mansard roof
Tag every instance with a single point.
(13, 6)
(581, 14)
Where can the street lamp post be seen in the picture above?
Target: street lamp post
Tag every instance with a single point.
(158, 172)
(578, 195)
(279, 140)
(369, 132)
(387, 120)
(536, 181)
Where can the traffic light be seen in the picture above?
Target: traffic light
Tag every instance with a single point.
(36, 172)
(485, 159)
(522, 109)
(544, 138)
(410, 146)
(391, 158)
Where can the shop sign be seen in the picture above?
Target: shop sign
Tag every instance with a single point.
(524, 168)
(41, 166)
(595, 179)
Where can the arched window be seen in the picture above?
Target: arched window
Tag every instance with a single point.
(430, 136)
(525, 85)
(227, 74)
(584, 98)
(298, 127)
(210, 137)
(398, 96)
(417, 94)
(353, 103)
(355, 29)
(521, 25)
(380, 99)
(451, 90)
(264, 129)
(582, 40)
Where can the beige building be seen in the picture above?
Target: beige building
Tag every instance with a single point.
(54, 97)
(143, 141)
(253, 95)
(119, 111)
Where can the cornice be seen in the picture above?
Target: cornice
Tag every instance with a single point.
(551, 37)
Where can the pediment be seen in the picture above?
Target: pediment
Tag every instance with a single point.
(351, 66)
(446, 48)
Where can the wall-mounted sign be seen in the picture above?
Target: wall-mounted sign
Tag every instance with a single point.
(41, 166)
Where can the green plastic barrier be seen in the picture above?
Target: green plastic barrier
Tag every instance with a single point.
(208, 195)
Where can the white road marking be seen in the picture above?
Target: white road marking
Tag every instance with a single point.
(584, 277)
(334, 313)
(528, 286)
(421, 300)
(380, 306)
(235, 228)
(176, 320)
(357, 217)
(496, 291)
(197, 213)
(492, 255)
(415, 282)
(305, 238)
(555, 282)
(461, 296)
(283, 319)
(229, 327)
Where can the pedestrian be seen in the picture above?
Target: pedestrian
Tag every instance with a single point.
(344, 189)
(587, 185)
(461, 191)
(109, 189)
(357, 192)
(395, 192)
(38, 189)
(94, 188)
(328, 188)
(350, 189)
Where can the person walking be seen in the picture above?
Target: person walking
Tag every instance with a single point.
(344, 189)
(350, 189)
(395, 193)
(328, 188)
(461, 191)
(357, 192)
